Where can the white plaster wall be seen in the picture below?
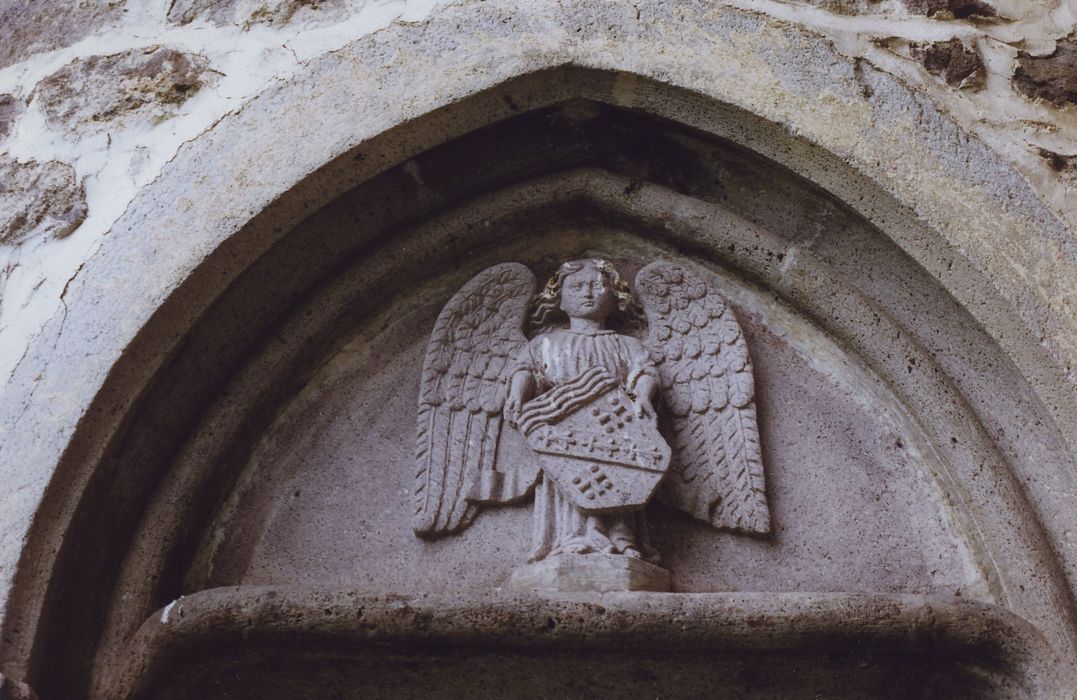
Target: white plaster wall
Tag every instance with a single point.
(115, 163)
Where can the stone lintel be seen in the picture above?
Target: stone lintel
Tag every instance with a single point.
(430, 641)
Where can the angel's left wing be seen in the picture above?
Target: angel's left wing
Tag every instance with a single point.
(705, 376)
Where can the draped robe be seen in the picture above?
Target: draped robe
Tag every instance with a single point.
(556, 358)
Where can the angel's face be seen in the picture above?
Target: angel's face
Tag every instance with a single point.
(587, 294)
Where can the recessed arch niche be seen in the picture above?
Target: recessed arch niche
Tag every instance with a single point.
(249, 384)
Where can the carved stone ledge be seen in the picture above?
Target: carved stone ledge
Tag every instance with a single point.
(255, 641)
(601, 573)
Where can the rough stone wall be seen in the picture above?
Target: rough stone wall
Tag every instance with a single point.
(97, 96)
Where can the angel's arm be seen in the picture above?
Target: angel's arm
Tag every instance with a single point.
(644, 391)
(643, 379)
(521, 386)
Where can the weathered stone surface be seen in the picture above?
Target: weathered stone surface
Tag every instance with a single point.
(950, 60)
(600, 573)
(99, 91)
(44, 25)
(10, 108)
(1052, 77)
(303, 477)
(248, 12)
(946, 9)
(38, 199)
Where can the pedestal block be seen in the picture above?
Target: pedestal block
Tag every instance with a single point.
(590, 572)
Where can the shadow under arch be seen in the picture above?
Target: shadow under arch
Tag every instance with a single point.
(223, 321)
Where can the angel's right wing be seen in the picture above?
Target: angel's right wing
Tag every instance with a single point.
(476, 338)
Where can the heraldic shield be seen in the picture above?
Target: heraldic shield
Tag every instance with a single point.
(600, 454)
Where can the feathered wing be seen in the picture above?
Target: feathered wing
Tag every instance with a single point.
(475, 341)
(705, 376)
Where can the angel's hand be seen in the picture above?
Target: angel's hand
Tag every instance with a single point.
(513, 407)
(520, 387)
(644, 408)
(643, 394)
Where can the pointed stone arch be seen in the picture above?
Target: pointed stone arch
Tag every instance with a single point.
(275, 236)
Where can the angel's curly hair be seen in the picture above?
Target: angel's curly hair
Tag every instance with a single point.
(546, 307)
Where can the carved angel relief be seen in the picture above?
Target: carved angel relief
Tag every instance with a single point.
(582, 395)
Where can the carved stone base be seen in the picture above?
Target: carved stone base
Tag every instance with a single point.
(590, 572)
